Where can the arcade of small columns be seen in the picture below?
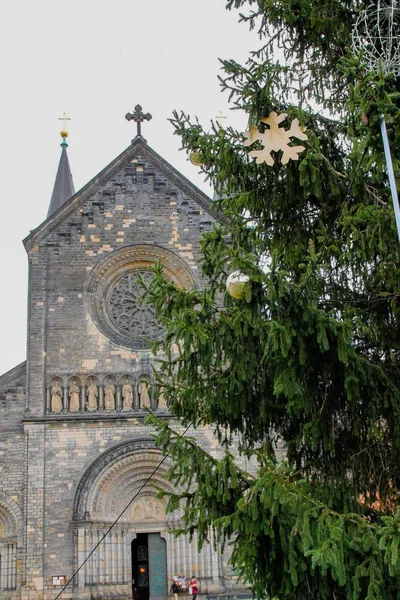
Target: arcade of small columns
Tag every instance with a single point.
(110, 564)
(8, 565)
(104, 393)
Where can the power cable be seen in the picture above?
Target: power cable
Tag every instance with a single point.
(188, 427)
(118, 518)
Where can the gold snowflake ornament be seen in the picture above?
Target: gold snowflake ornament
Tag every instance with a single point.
(276, 138)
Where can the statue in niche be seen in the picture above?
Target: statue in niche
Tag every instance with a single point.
(127, 395)
(56, 398)
(162, 403)
(109, 396)
(92, 394)
(74, 397)
(144, 394)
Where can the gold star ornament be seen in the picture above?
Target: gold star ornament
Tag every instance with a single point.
(276, 138)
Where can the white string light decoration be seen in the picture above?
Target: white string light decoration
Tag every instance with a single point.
(376, 35)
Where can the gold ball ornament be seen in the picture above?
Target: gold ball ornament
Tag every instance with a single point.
(195, 158)
(236, 284)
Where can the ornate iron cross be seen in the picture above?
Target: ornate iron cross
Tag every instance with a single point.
(138, 116)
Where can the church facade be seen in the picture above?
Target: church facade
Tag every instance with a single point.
(74, 449)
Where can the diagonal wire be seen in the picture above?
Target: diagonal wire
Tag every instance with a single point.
(190, 424)
(118, 518)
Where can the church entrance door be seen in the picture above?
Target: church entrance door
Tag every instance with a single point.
(149, 567)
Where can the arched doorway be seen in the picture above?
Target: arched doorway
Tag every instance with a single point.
(122, 480)
(149, 567)
(120, 489)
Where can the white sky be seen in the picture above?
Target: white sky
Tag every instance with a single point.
(95, 60)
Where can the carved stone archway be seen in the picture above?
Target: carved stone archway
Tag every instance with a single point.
(120, 485)
(116, 477)
(126, 477)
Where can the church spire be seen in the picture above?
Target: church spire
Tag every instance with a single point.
(63, 186)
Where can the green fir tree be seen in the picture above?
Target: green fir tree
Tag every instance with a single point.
(310, 356)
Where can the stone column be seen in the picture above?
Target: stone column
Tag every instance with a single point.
(118, 557)
(65, 398)
(7, 573)
(3, 579)
(170, 556)
(92, 559)
(122, 542)
(80, 559)
(113, 541)
(182, 552)
(135, 396)
(202, 563)
(195, 557)
(185, 548)
(83, 397)
(101, 397)
(126, 574)
(214, 559)
(105, 562)
(118, 398)
(99, 559)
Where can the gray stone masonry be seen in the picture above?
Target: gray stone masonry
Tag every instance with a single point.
(137, 210)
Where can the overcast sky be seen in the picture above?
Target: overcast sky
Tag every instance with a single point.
(96, 60)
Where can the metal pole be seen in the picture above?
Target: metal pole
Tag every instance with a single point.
(392, 180)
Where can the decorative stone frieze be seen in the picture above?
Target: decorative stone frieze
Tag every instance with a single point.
(103, 393)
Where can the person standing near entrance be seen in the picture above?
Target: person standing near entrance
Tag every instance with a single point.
(175, 588)
(194, 587)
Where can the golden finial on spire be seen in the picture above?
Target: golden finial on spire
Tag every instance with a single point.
(64, 132)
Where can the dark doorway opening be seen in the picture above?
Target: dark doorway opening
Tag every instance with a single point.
(149, 567)
(140, 568)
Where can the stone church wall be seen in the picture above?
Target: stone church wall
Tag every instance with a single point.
(12, 478)
(75, 456)
(68, 451)
(12, 411)
(136, 207)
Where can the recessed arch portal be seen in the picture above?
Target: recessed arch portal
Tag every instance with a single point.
(122, 475)
(120, 488)
(117, 479)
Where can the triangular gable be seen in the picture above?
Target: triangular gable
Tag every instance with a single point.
(16, 374)
(138, 148)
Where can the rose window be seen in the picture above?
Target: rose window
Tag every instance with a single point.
(128, 311)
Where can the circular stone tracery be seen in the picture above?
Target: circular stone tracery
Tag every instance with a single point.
(127, 310)
(113, 292)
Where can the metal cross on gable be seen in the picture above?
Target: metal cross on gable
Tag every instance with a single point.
(138, 116)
